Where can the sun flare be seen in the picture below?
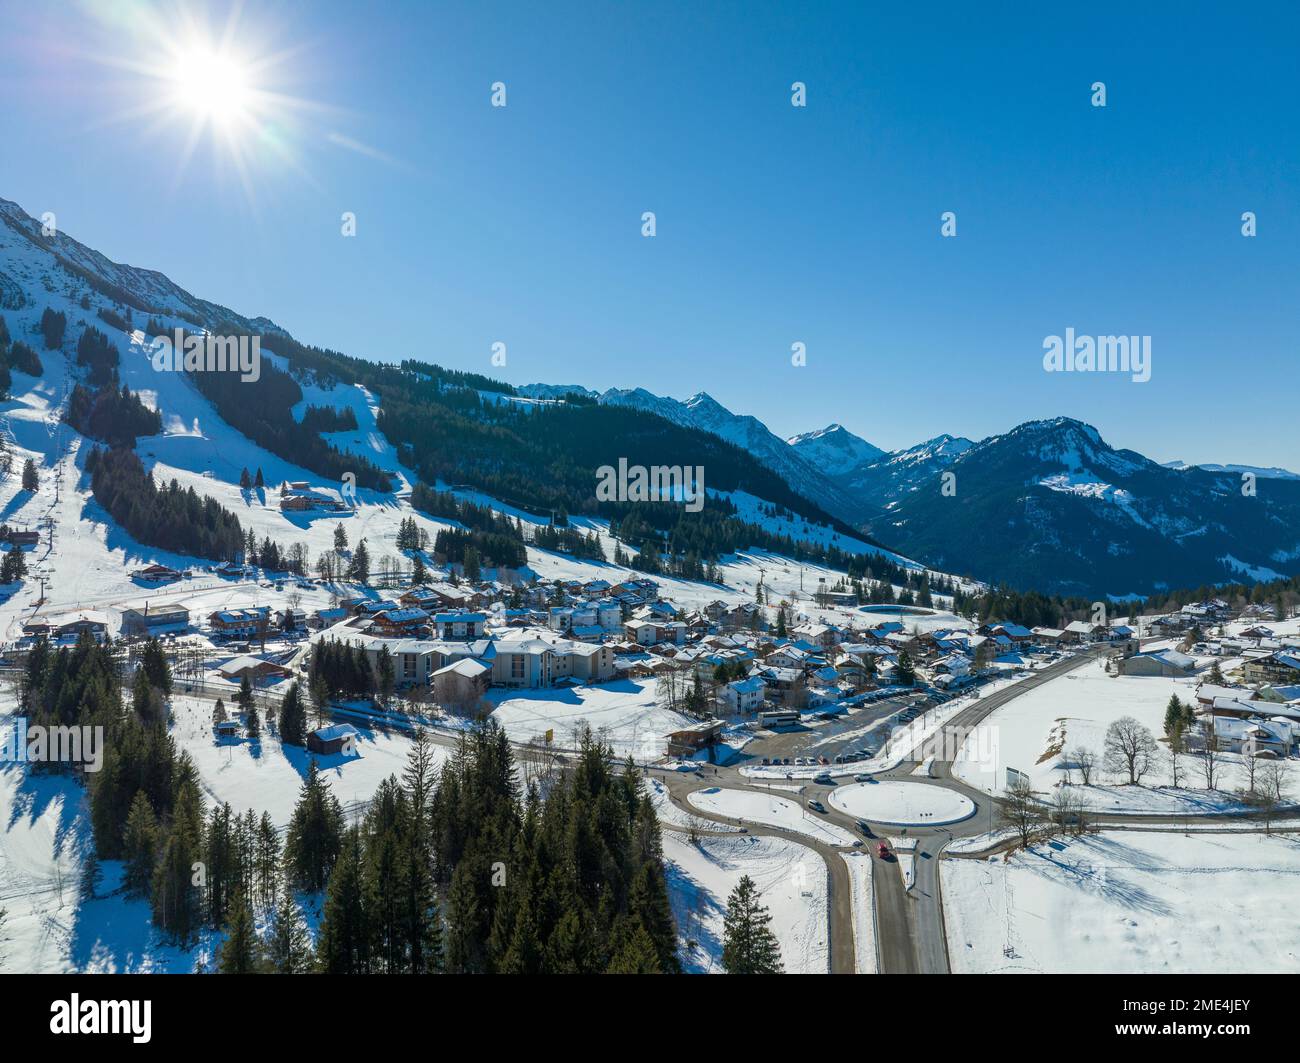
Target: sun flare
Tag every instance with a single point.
(212, 86)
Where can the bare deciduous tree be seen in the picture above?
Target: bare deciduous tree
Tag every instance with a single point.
(1129, 748)
(1085, 760)
(1210, 758)
(1021, 812)
(1272, 791)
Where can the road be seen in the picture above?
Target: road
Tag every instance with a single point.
(910, 933)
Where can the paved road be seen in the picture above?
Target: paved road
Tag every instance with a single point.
(910, 935)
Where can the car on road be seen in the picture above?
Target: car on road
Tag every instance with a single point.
(817, 806)
(883, 851)
(824, 780)
(862, 776)
(865, 828)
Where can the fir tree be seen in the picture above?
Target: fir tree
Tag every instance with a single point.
(293, 717)
(289, 948)
(240, 951)
(749, 946)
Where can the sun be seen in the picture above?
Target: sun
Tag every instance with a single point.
(212, 86)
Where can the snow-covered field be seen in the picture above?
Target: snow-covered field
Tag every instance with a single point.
(266, 776)
(1035, 732)
(1128, 902)
(770, 811)
(792, 883)
(624, 713)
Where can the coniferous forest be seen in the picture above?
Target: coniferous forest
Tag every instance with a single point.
(456, 869)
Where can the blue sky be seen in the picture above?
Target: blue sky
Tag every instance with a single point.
(775, 224)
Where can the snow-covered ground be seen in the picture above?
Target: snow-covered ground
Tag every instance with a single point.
(624, 713)
(792, 884)
(1128, 902)
(1036, 732)
(674, 816)
(266, 776)
(863, 903)
(902, 803)
(770, 811)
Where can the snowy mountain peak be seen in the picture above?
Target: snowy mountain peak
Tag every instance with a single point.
(834, 449)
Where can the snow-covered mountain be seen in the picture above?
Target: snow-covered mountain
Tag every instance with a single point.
(880, 481)
(702, 411)
(834, 449)
(145, 290)
(1261, 472)
(1048, 505)
(1051, 505)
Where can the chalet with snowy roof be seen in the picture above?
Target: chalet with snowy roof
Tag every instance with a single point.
(323, 618)
(462, 682)
(1158, 662)
(397, 623)
(89, 622)
(337, 738)
(1016, 634)
(157, 574)
(299, 496)
(1280, 668)
(240, 623)
(254, 669)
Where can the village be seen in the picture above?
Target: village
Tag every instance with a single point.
(451, 648)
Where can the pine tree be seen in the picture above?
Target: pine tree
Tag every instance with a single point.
(359, 566)
(293, 717)
(344, 932)
(31, 480)
(340, 538)
(245, 480)
(139, 847)
(289, 948)
(240, 951)
(905, 672)
(1173, 715)
(749, 946)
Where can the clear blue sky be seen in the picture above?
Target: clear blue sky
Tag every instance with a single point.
(775, 224)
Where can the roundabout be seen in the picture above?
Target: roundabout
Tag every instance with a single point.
(902, 804)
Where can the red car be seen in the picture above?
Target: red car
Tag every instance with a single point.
(883, 851)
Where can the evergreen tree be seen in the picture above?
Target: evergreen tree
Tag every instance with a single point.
(31, 480)
(749, 946)
(315, 834)
(289, 948)
(905, 672)
(293, 717)
(138, 847)
(344, 931)
(240, 952)
(340, 538)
